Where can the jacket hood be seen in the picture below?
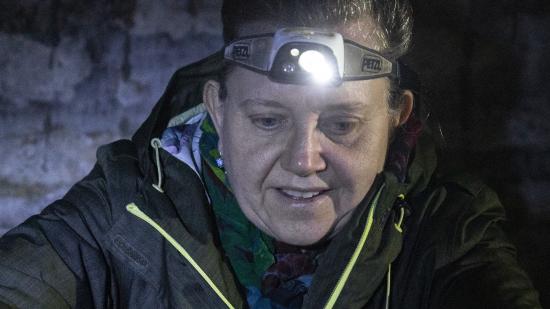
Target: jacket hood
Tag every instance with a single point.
(183, 92)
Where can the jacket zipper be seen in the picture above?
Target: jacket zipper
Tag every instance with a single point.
(353, 260)
(134, 210)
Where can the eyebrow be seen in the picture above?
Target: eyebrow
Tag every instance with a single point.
(268, 103)
(347, 106)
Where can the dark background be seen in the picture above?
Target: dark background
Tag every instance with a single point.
(75, 74)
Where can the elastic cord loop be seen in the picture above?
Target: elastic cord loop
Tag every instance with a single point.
(401, 215)
(156, 144)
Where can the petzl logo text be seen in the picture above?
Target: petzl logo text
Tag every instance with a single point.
(241, 52)
(371, 64)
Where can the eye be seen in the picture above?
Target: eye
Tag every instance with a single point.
(267, 123)
(340, 127)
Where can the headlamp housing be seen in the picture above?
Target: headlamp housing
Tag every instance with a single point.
(309, 56)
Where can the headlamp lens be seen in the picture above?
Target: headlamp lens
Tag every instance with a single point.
(315, 63)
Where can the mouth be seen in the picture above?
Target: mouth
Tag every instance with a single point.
(302, 195)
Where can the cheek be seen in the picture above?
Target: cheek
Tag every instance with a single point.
(248, 158)
(357, 166)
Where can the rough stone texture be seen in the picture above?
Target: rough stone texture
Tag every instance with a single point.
(75, 74)
(62, 68)
(78, 74)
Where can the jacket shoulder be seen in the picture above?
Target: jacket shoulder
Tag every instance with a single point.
(457, 213)
(475, 261)
(114, 181)
(52, 253)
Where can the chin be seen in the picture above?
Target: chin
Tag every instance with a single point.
(303, 238)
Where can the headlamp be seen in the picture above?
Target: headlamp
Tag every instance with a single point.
(308, 55)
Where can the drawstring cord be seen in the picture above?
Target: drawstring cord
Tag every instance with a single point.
(401, 215)
(388, 287)
(400, 230)
(156, 144)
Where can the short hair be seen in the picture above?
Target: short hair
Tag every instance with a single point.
(393, 18)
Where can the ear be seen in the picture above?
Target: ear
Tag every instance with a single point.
(214, 105)
(406, 108)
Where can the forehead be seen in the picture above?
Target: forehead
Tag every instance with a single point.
(244, 84)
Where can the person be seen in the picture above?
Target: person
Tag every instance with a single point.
(292, 169)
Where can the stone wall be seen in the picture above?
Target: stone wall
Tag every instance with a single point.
(75, 74)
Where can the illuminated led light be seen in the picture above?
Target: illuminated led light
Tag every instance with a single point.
(289, 68)
(315, 63)
(295, 52)
(311, 60)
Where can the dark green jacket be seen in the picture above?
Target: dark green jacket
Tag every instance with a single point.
(116, 241)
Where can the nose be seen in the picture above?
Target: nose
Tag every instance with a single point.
(303, 153)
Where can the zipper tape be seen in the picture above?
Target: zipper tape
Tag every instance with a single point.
(347, 271)
(134, 210)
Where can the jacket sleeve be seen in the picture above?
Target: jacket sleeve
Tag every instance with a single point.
(482, 271)
(53, 260)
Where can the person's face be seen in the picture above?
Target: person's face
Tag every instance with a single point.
(300, 158)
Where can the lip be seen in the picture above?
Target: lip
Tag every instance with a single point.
(301, 196)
